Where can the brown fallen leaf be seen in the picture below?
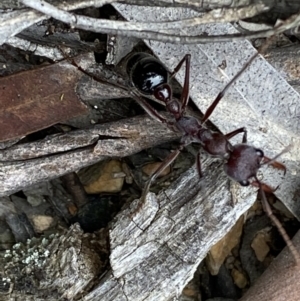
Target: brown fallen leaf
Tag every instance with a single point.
(36, 99)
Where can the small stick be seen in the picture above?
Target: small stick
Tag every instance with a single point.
(274, 219)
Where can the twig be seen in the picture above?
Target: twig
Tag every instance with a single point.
(274, 219)
(101, 25)
(153, 30)
(115, 139)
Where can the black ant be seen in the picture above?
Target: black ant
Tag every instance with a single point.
(241, 161)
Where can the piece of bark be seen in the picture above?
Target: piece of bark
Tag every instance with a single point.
(101, 75)
(52, 144)
(13, 23)
(16, 219)
(70, 152)
(35, 40)
(156, 249)
(60, 266)
(73, 186)
(20, 226)
(280, 281)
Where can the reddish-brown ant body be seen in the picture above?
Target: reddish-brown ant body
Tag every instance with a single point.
(241, 161)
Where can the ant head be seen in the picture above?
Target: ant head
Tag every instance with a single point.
(243, 163)
(245, 160)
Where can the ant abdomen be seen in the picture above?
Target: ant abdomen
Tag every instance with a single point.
(146, 72)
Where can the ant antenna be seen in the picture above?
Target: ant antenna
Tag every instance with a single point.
(273, 162)
(274, 219)
(260, 51)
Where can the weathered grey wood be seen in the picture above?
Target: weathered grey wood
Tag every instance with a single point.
(287, 6)
(156, 250)
(60, 266)
(70, 152)
(13, 22)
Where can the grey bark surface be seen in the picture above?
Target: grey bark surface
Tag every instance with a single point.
(228, 11)
(155, 251)
(61, 154)
(61, 266)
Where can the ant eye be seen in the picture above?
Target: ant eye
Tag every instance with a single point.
(244, 183)
(259, 152)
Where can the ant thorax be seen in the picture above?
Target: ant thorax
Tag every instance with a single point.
(215, 143)
(189, 125)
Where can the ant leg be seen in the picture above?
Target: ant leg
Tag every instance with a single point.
(274, 219)
(169, 160)
(234, 133)
(264, 187)
(274, 163)
(186, 58)
(150, 110)
(184, 99)
(198, 163)
(222, 93)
